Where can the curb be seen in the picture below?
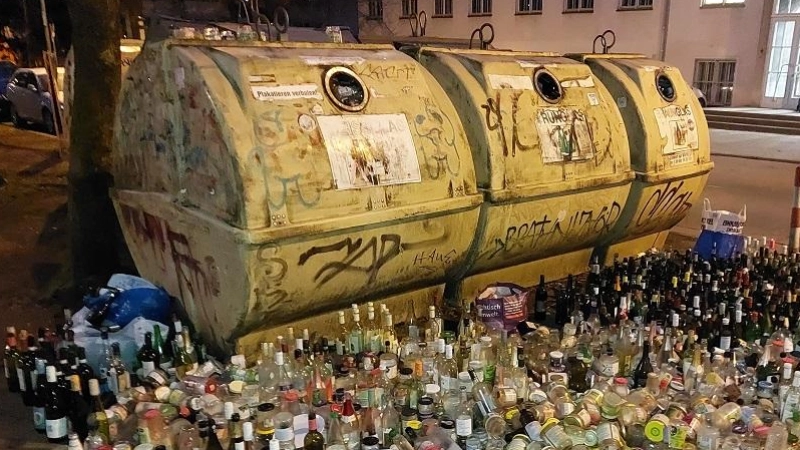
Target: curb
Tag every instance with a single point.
(757, 158)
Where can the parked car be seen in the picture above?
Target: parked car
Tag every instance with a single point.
(700, 96)
(7, 69)
(30, 100)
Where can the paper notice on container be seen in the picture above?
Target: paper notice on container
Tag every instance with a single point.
(520, 82)
(564, 135)
(370, 150)
(292, 92)
(678, 128)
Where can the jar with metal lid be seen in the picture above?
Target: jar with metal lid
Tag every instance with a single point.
(579, 418)
(157, 378)
(620, 387)
(495, 425)
(505, 396)
(608, 434)
(474, 443)
(554, 434)
(449, 428)
(407, 415)
(518, 442)
(370, 443)
(425, 405)
(611, 404)
(265, 425)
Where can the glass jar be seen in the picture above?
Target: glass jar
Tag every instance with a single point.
(620, 387)
(449, 428)
(265, 424)
(611, 405)
(554, 434)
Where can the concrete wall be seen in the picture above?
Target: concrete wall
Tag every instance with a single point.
(725, 33)
(694, 32)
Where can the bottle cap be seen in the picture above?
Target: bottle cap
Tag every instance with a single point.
(432, 389)
(50, 371)
(94, 387)
(247, 431)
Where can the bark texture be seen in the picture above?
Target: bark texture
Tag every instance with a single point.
(94, 229)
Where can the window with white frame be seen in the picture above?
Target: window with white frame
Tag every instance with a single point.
(787, 6)
(722, 2)
(375, 9)
(409, 8)
(636, 4)
(529, 6)
(443, 8)
(578, 5)
(481, 8)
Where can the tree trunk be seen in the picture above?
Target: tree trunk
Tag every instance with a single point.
(94, 229)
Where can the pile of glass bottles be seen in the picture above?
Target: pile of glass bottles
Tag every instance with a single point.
(661, 351)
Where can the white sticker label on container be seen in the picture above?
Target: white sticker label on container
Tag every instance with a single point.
(622, 102)
(180, 77)
(593, 100)
(292, 92)
(386, 153)
(678, 128)
(519, 82)
(332, 60)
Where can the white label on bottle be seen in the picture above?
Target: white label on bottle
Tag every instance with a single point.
(21, 376)
(238, 446)
(725, 343)
(464, 427)
(148, 366)
(57, 428)
(448, 383)
(38, 418)
(676, 320)
(392, 372)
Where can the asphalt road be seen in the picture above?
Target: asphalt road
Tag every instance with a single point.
(765, 187)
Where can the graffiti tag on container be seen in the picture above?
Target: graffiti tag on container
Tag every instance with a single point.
(360, 256)
(671, 201)
(530, 235)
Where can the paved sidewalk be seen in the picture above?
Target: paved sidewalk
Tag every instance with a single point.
(754, 145)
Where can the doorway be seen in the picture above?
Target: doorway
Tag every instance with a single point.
(782, 77)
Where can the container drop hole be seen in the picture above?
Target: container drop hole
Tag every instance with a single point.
(665, 87)
(346, 89)
(547, 86)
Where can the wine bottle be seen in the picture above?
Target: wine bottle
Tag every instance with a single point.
(55, 409)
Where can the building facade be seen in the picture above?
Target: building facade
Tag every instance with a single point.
(738, 52)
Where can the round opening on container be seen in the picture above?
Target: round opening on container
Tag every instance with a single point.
(665, 87)
(346, 89)
(547, 86)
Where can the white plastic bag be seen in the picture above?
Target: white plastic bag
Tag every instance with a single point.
(722, 221)
(130, 338)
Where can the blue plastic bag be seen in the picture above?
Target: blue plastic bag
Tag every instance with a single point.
(126, 298)
(721, 233)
